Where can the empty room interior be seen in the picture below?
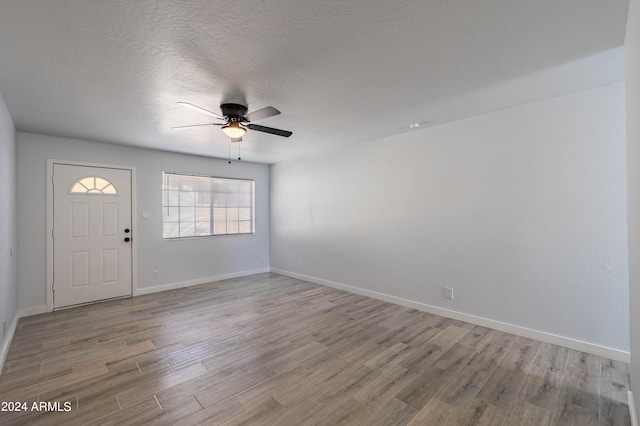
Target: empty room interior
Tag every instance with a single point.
(320, 213)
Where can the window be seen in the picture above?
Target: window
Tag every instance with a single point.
(198, 206)
(93, 185)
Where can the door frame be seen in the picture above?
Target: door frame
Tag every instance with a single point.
(49, 236)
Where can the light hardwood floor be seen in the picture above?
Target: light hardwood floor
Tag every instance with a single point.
(269, 349)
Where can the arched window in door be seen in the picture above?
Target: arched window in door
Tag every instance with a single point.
(93, 185)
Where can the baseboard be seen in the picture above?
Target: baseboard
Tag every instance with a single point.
(567, 342)
(182, 284)
(36, 310)
(632, 409)
(33, 310)
(4, 350)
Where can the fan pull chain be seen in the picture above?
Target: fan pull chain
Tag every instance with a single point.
(229, 152)
(239, 152)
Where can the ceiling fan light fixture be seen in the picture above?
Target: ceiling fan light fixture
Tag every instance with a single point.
(234, 130)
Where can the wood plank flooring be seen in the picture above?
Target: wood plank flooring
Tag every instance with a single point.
(273, 350)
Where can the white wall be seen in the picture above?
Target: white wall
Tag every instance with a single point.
(8, 229)
(632, 65)
(183, 261)
(522, 212)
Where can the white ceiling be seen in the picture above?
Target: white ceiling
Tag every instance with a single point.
(341, 72)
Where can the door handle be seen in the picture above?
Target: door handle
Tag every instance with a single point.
(127, 239)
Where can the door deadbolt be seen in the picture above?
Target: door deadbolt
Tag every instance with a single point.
(126, 231)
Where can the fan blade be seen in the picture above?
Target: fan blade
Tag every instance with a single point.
(259, 114)
(271, 130)
(236, 139)
(199, 109)
(196, 125)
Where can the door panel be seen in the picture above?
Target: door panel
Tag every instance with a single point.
(109, 219)
(79, 220)
(109, 266)
(80, 269)
(92, 208)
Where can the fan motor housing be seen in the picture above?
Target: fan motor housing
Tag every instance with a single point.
(233, 110)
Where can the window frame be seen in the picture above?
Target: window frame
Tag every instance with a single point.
(213, 197)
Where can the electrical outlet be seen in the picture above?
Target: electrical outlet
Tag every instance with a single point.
(156, 275)
(448, 293)
(4, 328)
(299, 263)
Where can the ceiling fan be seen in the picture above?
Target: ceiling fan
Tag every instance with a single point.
(236, 120)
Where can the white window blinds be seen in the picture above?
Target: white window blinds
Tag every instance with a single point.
(197, 206)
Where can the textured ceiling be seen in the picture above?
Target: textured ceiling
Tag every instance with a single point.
(341, 72)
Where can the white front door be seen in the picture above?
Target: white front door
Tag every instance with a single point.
(91, 235)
